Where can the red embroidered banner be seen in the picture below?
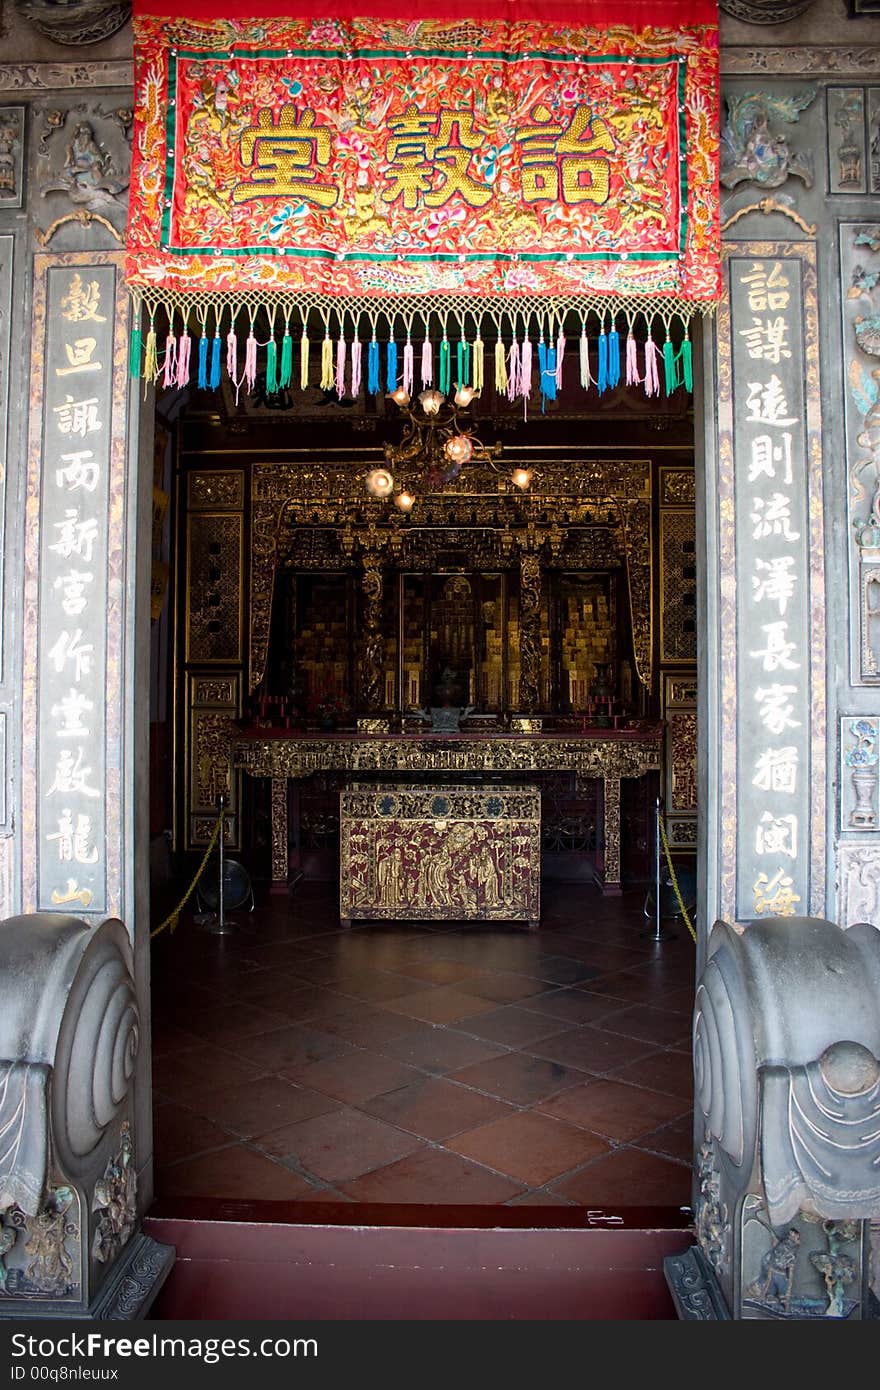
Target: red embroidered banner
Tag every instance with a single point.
(468, 160)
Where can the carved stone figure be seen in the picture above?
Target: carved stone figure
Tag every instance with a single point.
(774, 1286)
(88, 174)
(751, 151)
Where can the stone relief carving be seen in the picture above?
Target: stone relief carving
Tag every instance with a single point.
(74, 22)
(40, 1251)
(114, 1202)
(860, 244)
(711, 1216)
(764, 11)
(88, 174)
(751, 151)
(858, 883)
(803, 1270)
(859, 773)
(11, 156)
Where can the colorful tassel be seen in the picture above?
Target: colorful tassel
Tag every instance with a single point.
(203, 363)
(373, 368)
(669, 380)
(170, 375)
(427, 364)
(328, 379)
(286, 374)
(214, 373)
(687, 365)
(231, 354)
(340, 366)
(134, 353)
(632, 361)
(525, 371)
(500, 367)
(151, 357)
(250, 360)
(547, 372)
(304, 360)
(584, 360)
(560, 357)
(271, 366)
(463, 362)
(391, 366)
(409, 368)
(445, 371)
(478, 378)
(513, 375)
(356, 352)
(602, 380)
(613, 356)
(652, 378)
(183, 353)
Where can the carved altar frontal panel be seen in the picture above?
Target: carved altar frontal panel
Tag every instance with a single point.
(445, 852)
(214, 567)
(678, 585)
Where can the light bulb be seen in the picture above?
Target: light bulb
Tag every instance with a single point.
(405, 500)
(430, 401)
(521, 477)
(459, 448)
(379, 482)
(464, 395)
(400, 397)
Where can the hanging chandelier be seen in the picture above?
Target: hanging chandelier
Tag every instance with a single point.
(436, 444)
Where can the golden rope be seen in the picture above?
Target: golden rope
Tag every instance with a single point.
(684, 911)
(171, 919)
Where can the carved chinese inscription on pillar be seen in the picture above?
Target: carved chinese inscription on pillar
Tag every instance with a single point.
(74, 526)
(773, 587)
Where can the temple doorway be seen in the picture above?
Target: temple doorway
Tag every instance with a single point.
(411, 1057)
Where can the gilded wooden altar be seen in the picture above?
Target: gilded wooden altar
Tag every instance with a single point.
(443, 852)
(608, 754)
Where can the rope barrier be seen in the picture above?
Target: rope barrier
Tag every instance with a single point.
(171, 919)
(684, 912)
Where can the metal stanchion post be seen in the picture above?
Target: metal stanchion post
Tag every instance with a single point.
(659, 933)
(217, 923)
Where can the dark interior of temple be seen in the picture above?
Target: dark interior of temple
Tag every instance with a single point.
(516, 649)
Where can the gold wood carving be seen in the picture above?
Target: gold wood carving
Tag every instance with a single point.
(636, 522)
(215, 491)
(373, 648)
(678, 585)
(611, 835)
(677, 486)
(611, 758)
(279, 829)
(766, 206)
(529, 631)
(302, 515)
(453, 852)
(84, 218)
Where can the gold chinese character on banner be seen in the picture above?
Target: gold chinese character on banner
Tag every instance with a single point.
(557, 157)
(429, 156)
(286, 158)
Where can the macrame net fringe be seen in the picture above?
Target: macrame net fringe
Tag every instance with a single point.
(198, 330)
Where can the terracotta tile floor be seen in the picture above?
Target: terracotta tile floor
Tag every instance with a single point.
(425, 1063)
